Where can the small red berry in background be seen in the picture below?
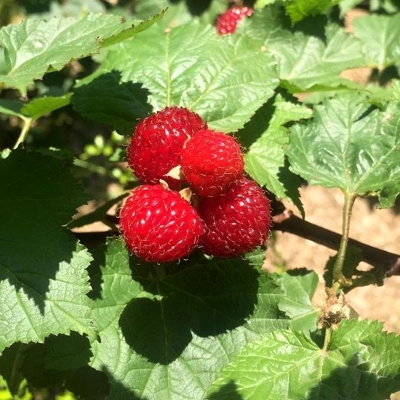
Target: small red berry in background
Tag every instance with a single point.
(211, 162)
(158, 225)
(237, 221)
(227, 22)
(156, 144)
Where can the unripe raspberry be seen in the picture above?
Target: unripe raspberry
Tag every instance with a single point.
(211, 162)
(158, 225)
(157, 142)
(237, 221)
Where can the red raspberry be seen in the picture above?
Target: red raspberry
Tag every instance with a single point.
(227, 22)
(237, 221)
(159, 225)
(211, 162)
(157, 142)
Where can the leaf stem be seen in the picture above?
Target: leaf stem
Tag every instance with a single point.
(338, 278)
(327, 339)
(25, 129)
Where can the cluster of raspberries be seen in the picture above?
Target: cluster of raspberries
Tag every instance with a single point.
(193, 192)
(227, 22)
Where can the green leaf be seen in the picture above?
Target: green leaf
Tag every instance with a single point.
(380, 36)
(67, 352)
(349, 145)
(190, 66)
(109, 100)
(11, 107)
(35, 47)
(361, 362)
(35, 108)
(308, 59)
(165, 332)
(43, 277)
(181, 11)
(299, 9)
(299, 287)
(265, 160)
(41, 106)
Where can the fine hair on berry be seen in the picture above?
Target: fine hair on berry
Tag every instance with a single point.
(157, 142)
(236, 222)
(211, 162)
(158, 225)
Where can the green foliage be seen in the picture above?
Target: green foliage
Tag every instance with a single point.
(194, 315)
(164, 73)
(309, 57)
(299, 9)
(36, 46)
(380, 36)
(44, 281)
(338, 147)
(77, 311)
(289, 362)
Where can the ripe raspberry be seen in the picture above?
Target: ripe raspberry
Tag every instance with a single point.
(227, 22)
(159, 225)
(237, 221)
(211, 162)
(157, 142)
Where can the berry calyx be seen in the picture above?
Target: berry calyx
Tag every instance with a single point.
(237, 221)
(227, 22)
(158, 225)
(156, 144)
(211, 162)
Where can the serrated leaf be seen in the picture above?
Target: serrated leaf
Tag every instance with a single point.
(35, 108)
(299, 287)
(193, 67)
(306, 60)
(348, 145)
(180, 11)
(299, 9)
(109, 100)
(43, 278)
(177, 12)
(35, 46)
(65, 353)
(11, 107)
(41, 106)
(265, 159)
(380, 36)
(360, 363)
(168, 338)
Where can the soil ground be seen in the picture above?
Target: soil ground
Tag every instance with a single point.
(378, 228)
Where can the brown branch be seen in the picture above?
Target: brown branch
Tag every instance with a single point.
(380, 259)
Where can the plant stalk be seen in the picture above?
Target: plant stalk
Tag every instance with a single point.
(338, 278)
(327, 339)
(24, 131)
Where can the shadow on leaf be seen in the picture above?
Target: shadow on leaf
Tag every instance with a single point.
(206, 299)
(109, 100)
(36, 250)
(228, 391)
(354, 381)
(157, 330)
